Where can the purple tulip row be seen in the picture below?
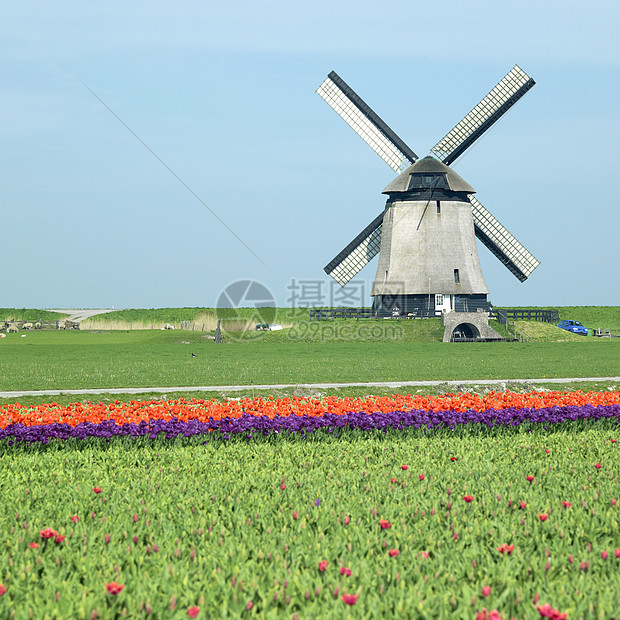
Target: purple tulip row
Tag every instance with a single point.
(251, 425)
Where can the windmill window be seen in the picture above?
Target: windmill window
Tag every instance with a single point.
(457, 277)
(428, 181)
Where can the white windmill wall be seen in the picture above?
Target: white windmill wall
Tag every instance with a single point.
(421, 248)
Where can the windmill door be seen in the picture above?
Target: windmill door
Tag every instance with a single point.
(442, 304)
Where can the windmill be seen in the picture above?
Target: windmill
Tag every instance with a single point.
(425, 237)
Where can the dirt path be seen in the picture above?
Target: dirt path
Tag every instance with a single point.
(500, 383)
(79, 315)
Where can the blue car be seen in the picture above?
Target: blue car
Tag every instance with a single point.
(573, 326)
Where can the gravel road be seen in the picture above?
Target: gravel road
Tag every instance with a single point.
(500, 383)
(79, 315)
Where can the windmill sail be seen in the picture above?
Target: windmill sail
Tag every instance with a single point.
(361, 118)
(357, 254)
(503, 96)
(502, 244)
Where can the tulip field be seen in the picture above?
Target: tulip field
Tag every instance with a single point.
(461, 506)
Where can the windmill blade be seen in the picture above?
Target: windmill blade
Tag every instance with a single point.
(359, 116)
(507, 92)
(348, 263)
(502, 244)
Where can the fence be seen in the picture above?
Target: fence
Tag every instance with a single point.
(503, 315)
(519, 314)
(324, 314)
(193, 326)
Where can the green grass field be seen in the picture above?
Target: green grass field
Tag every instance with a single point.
(225, 527)
(75, 359)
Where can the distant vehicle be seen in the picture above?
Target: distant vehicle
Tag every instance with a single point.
(573, 326)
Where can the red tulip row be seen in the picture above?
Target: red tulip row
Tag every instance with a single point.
(202, 410)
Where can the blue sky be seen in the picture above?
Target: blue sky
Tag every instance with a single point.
(224, 94)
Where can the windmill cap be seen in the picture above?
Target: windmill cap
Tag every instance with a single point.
(428, 166)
